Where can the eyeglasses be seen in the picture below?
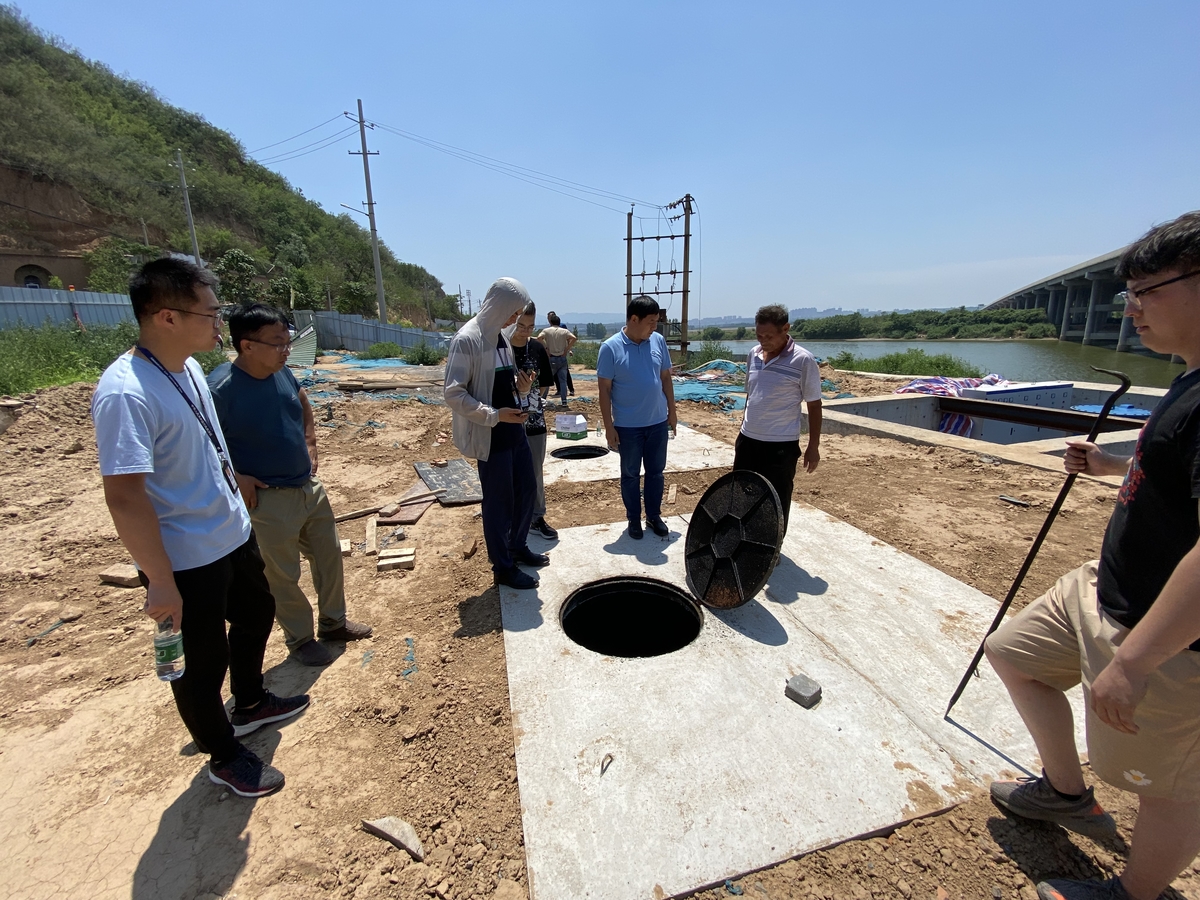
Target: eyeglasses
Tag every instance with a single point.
(1133, 299)
(217, 316)
(282, 348)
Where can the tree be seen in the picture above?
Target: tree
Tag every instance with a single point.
(596, 330)
(357, 299)
(237, 270)
(112, 264)
(712, 333)
(741, 333)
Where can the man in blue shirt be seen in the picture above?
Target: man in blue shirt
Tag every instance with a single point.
(637, 402)
(268, 423)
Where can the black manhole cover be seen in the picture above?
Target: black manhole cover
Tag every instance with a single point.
(631, 617)
(733, 540)
(587, 451)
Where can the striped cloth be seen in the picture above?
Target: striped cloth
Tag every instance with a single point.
(940, 386)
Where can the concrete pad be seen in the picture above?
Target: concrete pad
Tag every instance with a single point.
(655, 777)
(688, 452)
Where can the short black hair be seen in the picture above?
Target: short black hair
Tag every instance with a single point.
(1172, 245)
(167, 282)
(552, 318)
(530, 309)
(774, 314)
(246, 321)
(640, 307)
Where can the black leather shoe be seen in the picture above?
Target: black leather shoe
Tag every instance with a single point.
(659, 527)
(635, 530)
(540, 526)
(515, 578)
(527, 557)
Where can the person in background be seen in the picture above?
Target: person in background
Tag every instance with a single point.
(558, 342)
(174, 500)
(637, 403)
(1128, 625)
(268, 422)
(485, 391)
(780, 375)
(531, 356)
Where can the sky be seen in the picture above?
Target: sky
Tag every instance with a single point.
(854, 155)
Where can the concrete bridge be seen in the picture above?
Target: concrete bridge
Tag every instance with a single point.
(1081, 302)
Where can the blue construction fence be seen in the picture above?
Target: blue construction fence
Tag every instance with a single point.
(37, 306)
(336, 331)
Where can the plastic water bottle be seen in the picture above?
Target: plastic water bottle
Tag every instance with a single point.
(599, 428)
(168, 651)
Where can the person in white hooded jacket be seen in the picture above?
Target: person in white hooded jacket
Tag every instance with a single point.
(483, 390)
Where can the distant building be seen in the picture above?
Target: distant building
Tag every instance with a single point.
(34, 269)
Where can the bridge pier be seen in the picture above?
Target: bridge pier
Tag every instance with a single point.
(1123, 340)
(1093, 302)
(1065, 323)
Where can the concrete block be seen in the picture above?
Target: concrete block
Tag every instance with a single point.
(401, 560)
(671, 491)
(122, 575)
(397, 552)
(803, 690)
(345, 545)
(372, 536)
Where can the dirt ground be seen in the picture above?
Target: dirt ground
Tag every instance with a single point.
(105, 796)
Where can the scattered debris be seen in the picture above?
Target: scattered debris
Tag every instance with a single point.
(402, 558)
(398, 832)
(440, 463)
(357, 514)
(688, 490)
(372, 536)
(671, 491)
(122, 575)
(1013, 500)
(410, 657)
(469, 546)
(803, 690)
(345, 545)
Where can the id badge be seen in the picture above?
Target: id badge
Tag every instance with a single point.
(230, 479)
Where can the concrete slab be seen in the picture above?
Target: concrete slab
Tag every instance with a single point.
(655, 777)
(688, 452)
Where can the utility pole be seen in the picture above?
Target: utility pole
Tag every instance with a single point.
(365, 154)
(687, 268)
(187, 206)
(469, 311)
(628, 261)
(145, 236)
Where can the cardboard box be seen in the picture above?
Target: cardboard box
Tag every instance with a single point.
(570, 427)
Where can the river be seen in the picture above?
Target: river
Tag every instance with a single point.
(1014, 360)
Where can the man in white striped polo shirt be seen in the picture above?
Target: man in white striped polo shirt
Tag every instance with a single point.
(780, 374)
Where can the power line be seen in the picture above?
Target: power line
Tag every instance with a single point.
(293, 137)
(521, 173)
(71, 221)
(297, 152)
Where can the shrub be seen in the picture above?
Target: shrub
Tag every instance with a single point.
(909, 362)
(424, 355)
(713, 333)
(709, 350)
(1041, 330)
(585, 354)
(384, 350)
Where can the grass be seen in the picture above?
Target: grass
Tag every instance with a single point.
(32, 358)
(424, 355)
(910, 362)
(585, 353)
(384, 350)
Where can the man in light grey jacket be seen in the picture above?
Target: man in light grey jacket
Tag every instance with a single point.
(484, 390)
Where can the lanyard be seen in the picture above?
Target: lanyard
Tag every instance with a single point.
(200, 415)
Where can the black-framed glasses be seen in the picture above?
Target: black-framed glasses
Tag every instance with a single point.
(218, 315)
(282, 348)
(1133, 299)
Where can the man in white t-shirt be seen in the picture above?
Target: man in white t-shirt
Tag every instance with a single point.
(558, 341)
(780, 375)
(174, 499)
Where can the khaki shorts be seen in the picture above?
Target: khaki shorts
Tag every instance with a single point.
(1062, 639)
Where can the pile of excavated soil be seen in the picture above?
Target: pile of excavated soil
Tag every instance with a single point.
(106, 796)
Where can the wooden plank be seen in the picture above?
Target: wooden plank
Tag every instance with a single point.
(409, 513)
(396, 562)
(357, 514)
(459, 478)
(345, 547)
(372, 535)
(395, 552)
(671, 491)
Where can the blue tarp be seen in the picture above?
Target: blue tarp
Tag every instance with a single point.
(726, 366)
(1124, 409)
(722, 395)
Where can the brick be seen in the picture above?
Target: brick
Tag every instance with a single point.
(803, 690)
(372, 535)
(345, 547)
(671, 493)
(395, 562)
(397, 552)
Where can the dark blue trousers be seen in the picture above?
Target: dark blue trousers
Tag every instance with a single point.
(642, 447)
(509, 494)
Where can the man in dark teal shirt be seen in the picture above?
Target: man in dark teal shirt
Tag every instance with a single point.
(268, 424)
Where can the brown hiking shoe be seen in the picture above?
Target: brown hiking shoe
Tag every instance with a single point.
(311, 653)
(349, 631)
(1035, 798)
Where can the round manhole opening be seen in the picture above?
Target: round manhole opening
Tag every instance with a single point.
(631, 617)
(587, 451)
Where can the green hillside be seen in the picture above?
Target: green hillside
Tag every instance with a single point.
(68, 121)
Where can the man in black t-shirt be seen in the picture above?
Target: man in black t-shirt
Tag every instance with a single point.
(531, 356)
(1128, 625)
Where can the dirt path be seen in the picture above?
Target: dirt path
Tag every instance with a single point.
(106, 797)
